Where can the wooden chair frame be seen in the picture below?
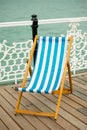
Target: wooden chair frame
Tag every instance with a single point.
(59, 92)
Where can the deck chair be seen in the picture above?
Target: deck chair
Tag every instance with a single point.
(52, 62)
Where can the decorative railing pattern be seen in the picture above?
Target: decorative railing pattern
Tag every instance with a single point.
(78, 58)
(13, 58)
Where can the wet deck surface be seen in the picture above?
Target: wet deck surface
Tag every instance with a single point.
(72, 114)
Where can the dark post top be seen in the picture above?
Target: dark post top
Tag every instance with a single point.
(34, 32)
(34, 25)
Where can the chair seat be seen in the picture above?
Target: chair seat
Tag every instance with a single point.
(52, 61)
(49, 66)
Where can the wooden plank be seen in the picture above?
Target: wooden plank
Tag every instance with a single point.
(43, 107)
(8, 120)
(63, 113)
(48, 122)
(71, 102)
(79, 84)
(69, 109)
(74, 112)
(80, 95)
(72, 108)
(80, 90)
(73, 120)
(34, 120)
(41, 118)
(23, 123)
(82, 79)
(85, 75)
(34, 99)
(66, 124)
(3, 126)
(83, 110)
(76, 88)
(78, 100)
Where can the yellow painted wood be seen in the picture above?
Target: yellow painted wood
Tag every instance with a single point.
(70, 78)
(61, 91)
(35, 113)
(65, 91)
(26, 73)
(72, 115)
(18, 102)
(29, 61)
(63, 78)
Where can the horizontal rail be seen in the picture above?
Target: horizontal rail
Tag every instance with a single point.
(44, 21)
(63, 20)
(15, 56)
(13, 24)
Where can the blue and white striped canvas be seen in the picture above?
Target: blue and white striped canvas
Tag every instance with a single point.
(49, 65)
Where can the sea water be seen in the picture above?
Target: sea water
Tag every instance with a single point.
(21, 10)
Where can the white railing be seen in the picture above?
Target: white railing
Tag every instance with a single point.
(78, 58)
(44, 21)
(13, 58)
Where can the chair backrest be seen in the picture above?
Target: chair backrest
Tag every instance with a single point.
(49, 66)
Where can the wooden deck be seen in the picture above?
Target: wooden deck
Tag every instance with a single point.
(72, 114)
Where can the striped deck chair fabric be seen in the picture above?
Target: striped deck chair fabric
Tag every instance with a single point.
(49, 65)
(49, 72)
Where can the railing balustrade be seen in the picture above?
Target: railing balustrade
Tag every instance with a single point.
(13, 58)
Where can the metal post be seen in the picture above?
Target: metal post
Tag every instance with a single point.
(34, 32)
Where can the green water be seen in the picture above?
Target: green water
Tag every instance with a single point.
(16, 10)
(20, 10)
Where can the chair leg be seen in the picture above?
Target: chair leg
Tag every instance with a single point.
(61, 90)
(18, 102)
(20, 94)
(58, 102)
(70, 78)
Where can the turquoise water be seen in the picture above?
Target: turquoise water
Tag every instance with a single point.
(16, 10)
(20, 10)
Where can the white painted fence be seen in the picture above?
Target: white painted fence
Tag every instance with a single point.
(13, 58)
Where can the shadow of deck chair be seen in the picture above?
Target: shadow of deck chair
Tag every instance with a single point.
(49, 74)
